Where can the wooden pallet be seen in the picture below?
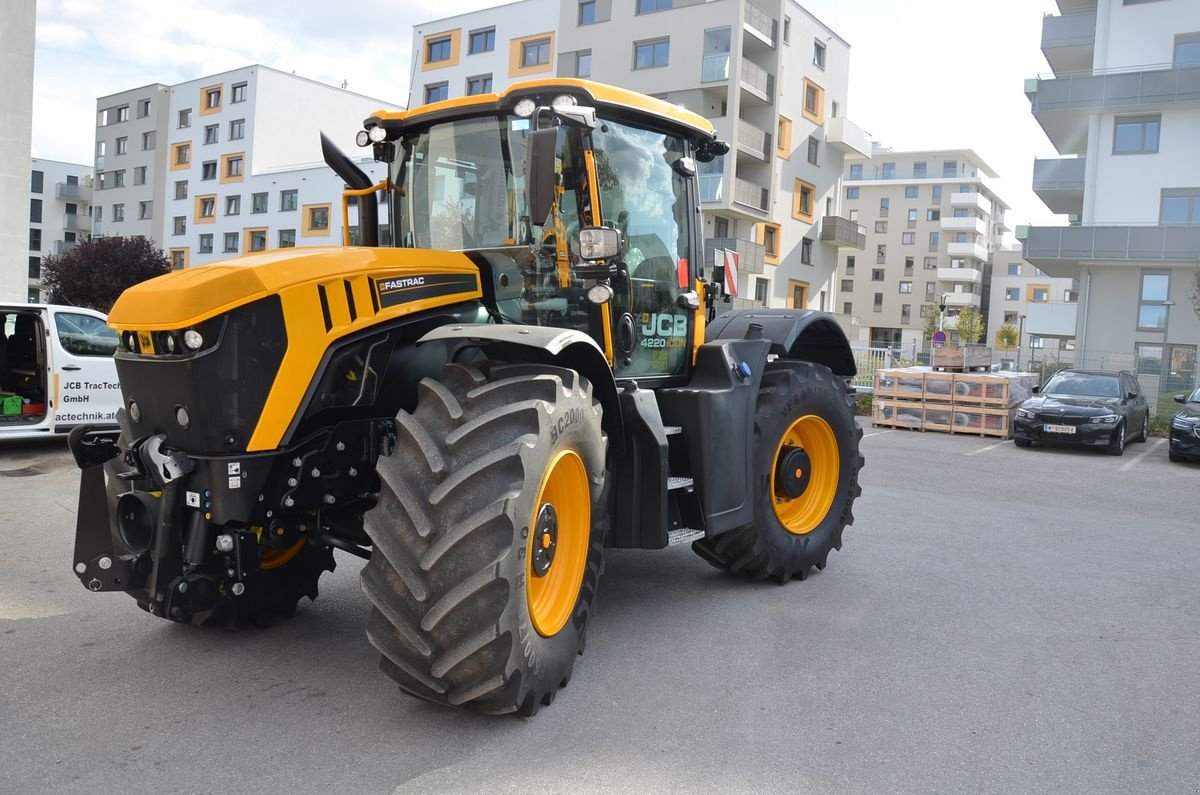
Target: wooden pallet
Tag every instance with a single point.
(976, 420)
(900, 384)
(889, 413)
(982, 390)
(959, 359)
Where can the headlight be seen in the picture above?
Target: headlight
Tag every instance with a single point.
(525, 107)
(193, 339)
(1107, 419)
(1026, 414)
(1184, 424)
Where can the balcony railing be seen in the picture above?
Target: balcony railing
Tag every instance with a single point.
(967, 250)
(950, 223)
(905, 175)
(76, 222)
(761, 21)
(715, 67)
(962, 299)
(971, 199)
(843, 233)
(74, 192)
(1069, 30)
(973, 275)
(751, 194)
(1059, 173)
(1154, 243)
(1154, 84)
(750, 254)
(758, 80)
(712, 187)
(753, 140)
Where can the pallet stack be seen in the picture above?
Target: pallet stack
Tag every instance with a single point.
(921, 399)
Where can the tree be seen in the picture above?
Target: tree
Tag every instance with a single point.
(970, 325)
(1196, 293)
(1007, 336)
(932, 314)
(94, 273)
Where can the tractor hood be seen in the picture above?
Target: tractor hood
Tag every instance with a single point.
(190, 296)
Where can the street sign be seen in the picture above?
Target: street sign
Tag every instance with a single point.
(939, 337)
(731, 272)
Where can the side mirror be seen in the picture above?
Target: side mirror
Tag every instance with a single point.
(599, 242)
(1130, 395)
(539, 173)
(1180, 398)
(1036, 389)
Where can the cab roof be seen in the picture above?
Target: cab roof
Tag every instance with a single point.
(621, 101)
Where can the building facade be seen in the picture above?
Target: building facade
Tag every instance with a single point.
(16, 126)
(1122, 107)
(770, 76)
(932, 220)
(1021, 291)
(60, 213)
(226, 164)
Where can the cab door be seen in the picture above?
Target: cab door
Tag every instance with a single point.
(84, 386)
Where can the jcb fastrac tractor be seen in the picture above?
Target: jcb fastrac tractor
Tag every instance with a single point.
(521, 366)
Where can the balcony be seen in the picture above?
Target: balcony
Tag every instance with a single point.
(760, 24)
(1068, 41)
(751, 194)
(76, 222)
(757, 82)
(876, 173)
(750, 254)
(1062, 104)
(712, 187)
(843, 233)
(715, 67)
(968, 224)
(1058, 250)
(753, 140)
(967, 250)
(63, 246)
(969, 275)
(848, 137)
(972, 199)
(73, 192)
(962, 299)
(1058, 182)
(1045, 319)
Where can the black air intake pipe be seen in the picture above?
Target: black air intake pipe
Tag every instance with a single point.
(352, 175)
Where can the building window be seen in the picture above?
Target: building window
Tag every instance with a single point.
(122, 146)
(208, 170)
(910, 192)
(877, 274)
(183, 155)
(849, 266)
(1187, 50)
(1136, 135)
(149, 140)
(480, 84)
(1038, 294)
(814, 102)
(787, 30)
(233, 205)
(437, 49)
(1152, 308)
(847, 308)
(856, 171)
(212, 98)
(181, 189)
(143, 108)
(35, 211)
(436, 92)
(806, 249)
(237, 92)
(257, 240)
(1179, 206)
(1071, 296)
(813, 150)
(935, 240)
(211, 133)
(847, 285)
(233, 166)
(179, 225)
(35, 239)
(851, 193)
(535, 53)
(206, 244)
(587, 12)
(316, 219)
(178, 258)
(287, 238)
(885, 205)
(583, 63)
(906, 313)
(937, 193)
(878, 305)
(287, 200)
(880, 254)
(123, 113)
(1010, 317)
(933, 215)
(1012, 294)
(185, 118)
(929, 290)
(231, 242)
(949, 168)
(802, 208)
(930, 263)
(760, 291)
(819, 54)
(912, 218)
(1014, 269)
(889, 171)
(258, 202)
(119, 178)
(906, 287)
(208, 206)
(139, 175)
(881, 227)
(908, 265)
(651, 54)
(771, 240)
(920, 169)
(237, 129)
(481, 41)
(1035, 342)
(649, 6)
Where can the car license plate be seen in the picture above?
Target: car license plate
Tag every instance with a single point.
(1058, 428)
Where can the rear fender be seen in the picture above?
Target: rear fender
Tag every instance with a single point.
(803, 334)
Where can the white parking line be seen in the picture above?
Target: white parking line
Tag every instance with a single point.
(989, 447)
(1128, 465)
(877, 433)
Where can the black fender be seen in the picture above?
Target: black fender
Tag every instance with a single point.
(804, 334)
(544, 345)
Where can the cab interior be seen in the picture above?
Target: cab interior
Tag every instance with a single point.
(22, 368)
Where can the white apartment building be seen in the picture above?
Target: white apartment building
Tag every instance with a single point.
(226, 164)
(60, 200)
(16, 125)
(1122, 107)
(932, 220)
(770, 76)
(1018, 285)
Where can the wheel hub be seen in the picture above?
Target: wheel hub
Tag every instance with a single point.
(545, 539)
(793, 471)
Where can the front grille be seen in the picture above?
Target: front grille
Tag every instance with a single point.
(1059, 419)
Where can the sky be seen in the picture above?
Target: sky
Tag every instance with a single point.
(924, 74)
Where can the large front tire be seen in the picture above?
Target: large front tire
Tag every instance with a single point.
(488, 537)
(805, 477)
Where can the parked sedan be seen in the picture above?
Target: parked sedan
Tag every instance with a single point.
(1185, 429)
(1090, 408)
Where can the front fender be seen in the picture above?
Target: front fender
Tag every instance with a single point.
(794, 334)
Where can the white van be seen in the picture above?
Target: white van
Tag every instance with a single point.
(56, 370)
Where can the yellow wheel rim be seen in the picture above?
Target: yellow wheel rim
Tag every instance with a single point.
(274, 558)
(803, 513)
(558, 543)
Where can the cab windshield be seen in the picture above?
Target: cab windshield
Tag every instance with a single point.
(460, 186)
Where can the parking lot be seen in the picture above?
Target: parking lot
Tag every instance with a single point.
(999, 620)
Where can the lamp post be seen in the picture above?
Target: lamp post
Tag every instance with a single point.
(1020, 339)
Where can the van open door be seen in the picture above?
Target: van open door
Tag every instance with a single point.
(84, 386)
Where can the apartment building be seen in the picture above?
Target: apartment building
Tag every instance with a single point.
(1017, 286)
(16, 125)
(226, 164)
(60, 199)
(932, 221)
(1122, 106)
(770, 76)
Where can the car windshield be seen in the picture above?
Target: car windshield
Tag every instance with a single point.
(1195, 396)
(1083, 385)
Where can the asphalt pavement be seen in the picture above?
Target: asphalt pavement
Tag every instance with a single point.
(999, 620)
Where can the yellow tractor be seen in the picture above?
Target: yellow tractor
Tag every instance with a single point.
(520, 366)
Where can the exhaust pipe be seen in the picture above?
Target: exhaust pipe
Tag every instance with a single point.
(352, 175)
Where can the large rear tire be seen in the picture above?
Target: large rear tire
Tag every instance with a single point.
(488, 537)
(805, 477)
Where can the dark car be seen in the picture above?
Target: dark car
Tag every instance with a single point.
(1185, 429)
(1090, 408)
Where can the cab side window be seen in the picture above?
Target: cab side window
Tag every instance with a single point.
(84, 335)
